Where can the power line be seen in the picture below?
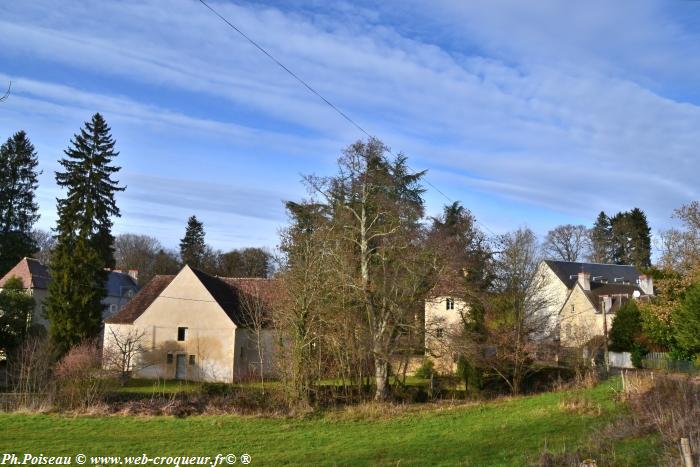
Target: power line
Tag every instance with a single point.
(317, 94)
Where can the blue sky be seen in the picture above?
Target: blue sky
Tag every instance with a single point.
(530, 113)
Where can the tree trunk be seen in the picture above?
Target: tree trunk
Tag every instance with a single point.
(381, 376)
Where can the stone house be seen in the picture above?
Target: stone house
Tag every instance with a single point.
(195, 326)
(35, 279)
(576, 299)
(583, 297)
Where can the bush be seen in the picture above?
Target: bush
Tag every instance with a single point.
(80, 381)
(686, 320)
(626, 327)
(426, 370)
(639, 352)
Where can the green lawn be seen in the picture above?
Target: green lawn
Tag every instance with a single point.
(510, 432)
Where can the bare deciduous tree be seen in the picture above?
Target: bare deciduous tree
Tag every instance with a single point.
(255, 305)
(124, 351)
(567, 243)
(680, 248)
(516, 322)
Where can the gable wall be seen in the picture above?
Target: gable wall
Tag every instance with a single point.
(580, 324)
(210, 334)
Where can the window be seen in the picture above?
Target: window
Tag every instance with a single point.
(191, 359)
(450, 304)
(113, 308)
(170, 358)
(181, 334)
(439, 332)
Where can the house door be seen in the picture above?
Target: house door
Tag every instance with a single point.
(181, 367)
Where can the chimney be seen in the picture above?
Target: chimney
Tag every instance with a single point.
(646, 283)
(584, 279)
(134, 273)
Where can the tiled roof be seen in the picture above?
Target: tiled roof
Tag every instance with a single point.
(232, 295)
(32, 273)
(141, 301)
(35, 275)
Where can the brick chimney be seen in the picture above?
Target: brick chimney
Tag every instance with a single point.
(134, 273)
(584, 279)
(646, 283)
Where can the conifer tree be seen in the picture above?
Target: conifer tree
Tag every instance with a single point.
(192, 246)
(18, 208)
(601, 240)
(83, 235)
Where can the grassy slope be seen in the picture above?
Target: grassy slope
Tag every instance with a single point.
(498, 433)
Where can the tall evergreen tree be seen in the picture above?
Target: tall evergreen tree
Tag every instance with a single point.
(83, 235)
(601, 240)
(18, 208)
(192, 246)
(631, 238)
(640, 244)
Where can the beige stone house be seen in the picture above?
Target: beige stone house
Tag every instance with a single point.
(573, 296)
(121, 287)
(444, 317)
(585, 296)
(197, 327)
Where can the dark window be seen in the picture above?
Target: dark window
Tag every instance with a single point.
(439, 332)
(191, 359)
(181, 334)
(450, 304)
(170, 358)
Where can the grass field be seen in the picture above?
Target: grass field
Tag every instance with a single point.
(507, 432)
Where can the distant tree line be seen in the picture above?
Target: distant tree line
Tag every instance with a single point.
(624, 238)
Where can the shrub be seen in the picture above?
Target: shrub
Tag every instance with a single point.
(637, 355)
(29, 370)
(80, 381)
(686, 320)
(426, 370)
(626, 327)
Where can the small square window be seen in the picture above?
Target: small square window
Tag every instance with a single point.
(113, 308)
(440, 332)
(181, 334)
(450, 304)
(191, 359)
(170, 358)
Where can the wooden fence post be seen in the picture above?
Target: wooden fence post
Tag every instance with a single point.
(687, 453)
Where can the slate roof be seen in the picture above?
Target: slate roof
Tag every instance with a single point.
(35, 275)
(230, 293)
(567, 272)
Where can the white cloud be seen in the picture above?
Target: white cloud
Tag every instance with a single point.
(568, 108)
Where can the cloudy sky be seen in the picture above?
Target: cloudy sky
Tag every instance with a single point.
(530, 113)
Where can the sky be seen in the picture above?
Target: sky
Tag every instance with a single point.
(529, 113)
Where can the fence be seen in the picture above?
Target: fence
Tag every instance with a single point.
(620, 359)
(654, 361)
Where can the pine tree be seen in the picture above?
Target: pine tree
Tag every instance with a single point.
(83, 236)
(192, 246)
(18, 208)
(601, 240)
(631, 238)
(640, 243)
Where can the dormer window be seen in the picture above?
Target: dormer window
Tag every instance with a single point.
(450, 304)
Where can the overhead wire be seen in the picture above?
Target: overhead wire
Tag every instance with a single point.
(318, 94)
